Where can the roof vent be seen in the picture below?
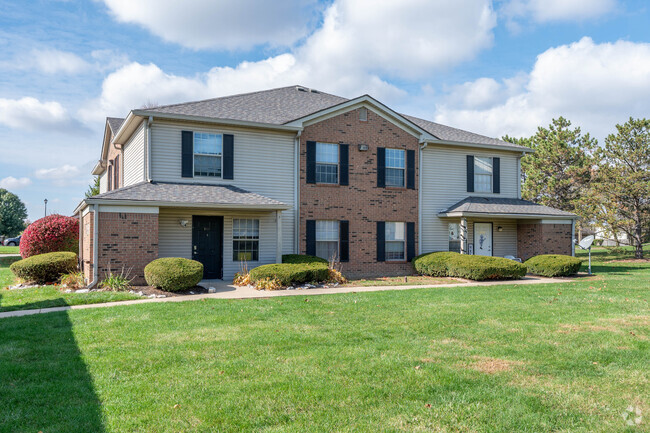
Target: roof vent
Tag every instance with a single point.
(302, 89)
(314, 91)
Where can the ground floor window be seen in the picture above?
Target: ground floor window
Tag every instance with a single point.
(395, 241)
(245, 239)
(454, 237)
(327, 239)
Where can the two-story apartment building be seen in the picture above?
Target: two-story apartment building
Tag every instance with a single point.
(294, 170)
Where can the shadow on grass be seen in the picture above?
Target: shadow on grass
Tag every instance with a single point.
(45, 384)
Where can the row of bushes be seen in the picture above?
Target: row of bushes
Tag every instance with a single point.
(479, 268)
(449, 264)
(294, 269)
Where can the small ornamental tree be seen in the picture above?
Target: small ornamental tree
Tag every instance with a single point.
(50, 234)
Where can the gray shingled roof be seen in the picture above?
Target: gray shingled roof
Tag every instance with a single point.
(499, 205)
(114, 123)
(190, 194)
(283, 105)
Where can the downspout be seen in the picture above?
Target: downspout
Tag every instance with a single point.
(148, 135)
(423, 145)
(95, 244)
(573, 237)
(296, 194)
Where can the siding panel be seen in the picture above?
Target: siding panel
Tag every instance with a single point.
(134, 157)
(264, 164)
(444, 183)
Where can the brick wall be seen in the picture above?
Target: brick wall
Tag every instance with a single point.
(127, 241)
(536, 238)
(362, 202)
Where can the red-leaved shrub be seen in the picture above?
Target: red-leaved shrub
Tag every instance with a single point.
(50, 234)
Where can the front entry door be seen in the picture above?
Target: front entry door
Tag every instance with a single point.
(207, 241)
(483, 239)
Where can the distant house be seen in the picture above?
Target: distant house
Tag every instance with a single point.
(295, 170)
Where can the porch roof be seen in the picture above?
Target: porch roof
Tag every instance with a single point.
(187, 195)
(503, 207)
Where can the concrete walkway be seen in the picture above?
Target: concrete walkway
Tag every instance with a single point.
(228, 291)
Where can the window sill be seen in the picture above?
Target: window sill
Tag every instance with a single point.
(396, 261)
(327, 184)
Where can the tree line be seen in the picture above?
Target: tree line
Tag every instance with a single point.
(607, 186)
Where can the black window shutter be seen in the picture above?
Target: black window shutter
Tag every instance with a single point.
(381, 241)
(311, 237)
(470, 173)
(187, 154)
(311, 162)
(343, 164)
(410, 169)
(381, 167)
(344, 241)
(228, 156)
(410, 241)
(496, 175)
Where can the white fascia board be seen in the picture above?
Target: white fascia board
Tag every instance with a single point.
(143, 203)
(481, 145)
(505, 216)
(368, 102)
(130, 209)
(214, 120)
(99, 168)
(129, 125)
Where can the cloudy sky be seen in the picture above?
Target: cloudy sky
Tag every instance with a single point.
(493, 67)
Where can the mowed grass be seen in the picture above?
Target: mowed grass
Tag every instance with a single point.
(47, 296)
(567, 357)
(9, 249)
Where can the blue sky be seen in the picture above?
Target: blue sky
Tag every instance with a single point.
(492, 67)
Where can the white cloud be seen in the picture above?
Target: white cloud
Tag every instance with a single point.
(543, 11)
(203, 24)
(31, 114)
(49, 61)
(12, 183)
(357, 44)
(62, 176)
(593, 85)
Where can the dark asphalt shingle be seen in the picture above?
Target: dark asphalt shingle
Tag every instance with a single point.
(499, 205)
(114, 123)
(189, 193)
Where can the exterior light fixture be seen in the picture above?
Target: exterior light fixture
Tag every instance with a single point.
(499, 229)
(183, 223)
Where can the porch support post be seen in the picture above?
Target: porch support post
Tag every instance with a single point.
(278, 229)
(573, 236)
(463, 236)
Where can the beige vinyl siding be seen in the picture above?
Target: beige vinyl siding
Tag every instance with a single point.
(263, 163)
(103, 182)
(134, 157)
(444, 183)
(176, 241)
(504, 243)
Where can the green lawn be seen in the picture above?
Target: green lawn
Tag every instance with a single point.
(567, 357)
(9, 250)
(48, 296)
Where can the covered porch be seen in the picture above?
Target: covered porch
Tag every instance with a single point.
(508, 227)
(217, 225)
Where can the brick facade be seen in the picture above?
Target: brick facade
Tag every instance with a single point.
(362, 203)
(127, 241)
(535, 238)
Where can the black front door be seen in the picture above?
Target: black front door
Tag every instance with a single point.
(207, 241)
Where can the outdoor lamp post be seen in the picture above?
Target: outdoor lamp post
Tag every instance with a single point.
(45, 201)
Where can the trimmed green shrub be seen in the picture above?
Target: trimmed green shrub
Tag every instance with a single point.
(553, 265)
(478, 268)
(433, 264)
(45, 268)
(290, 273)
(302, 258)
(173, 274)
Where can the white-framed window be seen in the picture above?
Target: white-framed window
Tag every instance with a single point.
(395, 241)
(454, 237)
(327, 239)
(482, 174)
(208, 151)
(245, 239)
(327, 163)
(395, 167)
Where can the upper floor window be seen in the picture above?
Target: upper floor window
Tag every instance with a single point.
(327, 239)
(395, 167)
(245, 239)
(208, 152)
(395, 249)
(482, 174)
(327, 163)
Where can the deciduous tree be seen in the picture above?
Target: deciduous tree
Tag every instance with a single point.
(12, 214)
